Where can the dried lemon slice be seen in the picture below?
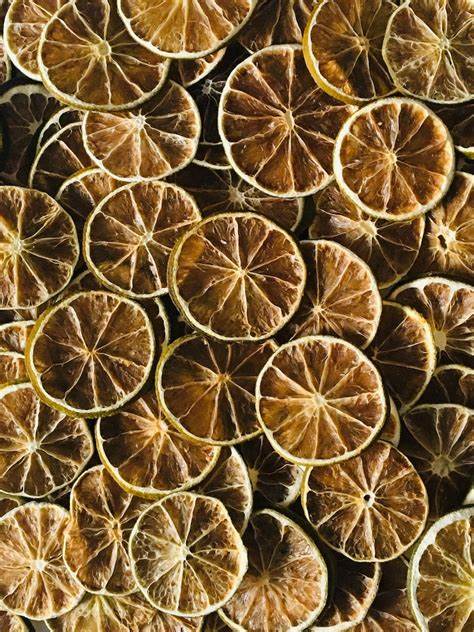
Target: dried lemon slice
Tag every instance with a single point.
(91, 353)
(12, 350)
(187, 72)
(451, 384)
(39, 248)
(459, 119)
(34, 581)
(286, 584)
(187, 557)
(277, 127)
(370, 508)
(320, 400)
(343, 48)
(341, 297)
(146, 455)
(236, 276)
(394, 158)
(392, 427)
(207, 388)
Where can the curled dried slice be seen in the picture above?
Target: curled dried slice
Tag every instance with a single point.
(341, 297)
(394, 158)
(286, 584)
(189, 71)
(12, 623)
(146, 455)
(207, 387)
(88, 60)
(34, 581)
(7, 503)
(393, 426)
(237, 276)
(187, 557)
(370, 508)
(320, 400)
(91, 353)
(451, 384)
(277, 127)
(459, 119)
(12, 350)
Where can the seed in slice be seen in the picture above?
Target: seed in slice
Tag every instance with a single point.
(146, 455)
(12, 350)
(60, 119)
(34, 581)
(425, 49)
(394, 158)
(207, 387)
(341, 297)
(370, 508)
(440, 577)
(88, 60)
(39, 248)
(452, 383)
(448, 306)
(273, 478)
(187, 72)
(320, 400)
(187, 557)
(404, 352)
(237, 276)
(129, 236)
(12, 623)
(388, 247)
(91, 353)
(392, 428)
(277, 127)
(343, 48)
(459, 119)
(286, 584)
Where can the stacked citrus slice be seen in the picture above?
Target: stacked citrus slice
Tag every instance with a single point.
(12, 350)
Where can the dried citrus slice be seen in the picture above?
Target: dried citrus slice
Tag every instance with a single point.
(343, 48)
(286, 584)
(440, 577)
(448, 306)
(370, 508)
(12, 350)
(404, 352)
(42, 450)
(5, 64)
(128, 238)
(388, 247)
(39, 248)
(96, 540)
(394, 158)
(8, 502)
(224, 191)
(60, 119)
(146, 455)
(207, 387)
(12, 623)
(237, 276)
(273, 478)
(459, 119)
(149, 142)
(91, 353)
(341, 297)
(452, 383)
(213, 623)
(277, 127)
(88, 60)
(392, 427)
(189, 71)
(34, 581)
(187, 557)
(211, 155)
(426, 47)
(320, 400)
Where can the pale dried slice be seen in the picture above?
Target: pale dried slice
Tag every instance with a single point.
(34, 581)
(12, 351)
(426, 48)
(459, 119)
(392, 427)
(278, 129)
(88, 60)
(388, 247)
(189, 71)
(38, 248)
(370, 508)
(404, 352)
(273, 478)
(62, 117)
(128, 238)
(341, 297)
(187, 557)
(343, 48)
(448, 306)
(237, 276)
(286, 584)
(12, 623)
(452, 383)
(207, 387)
(441, 576)
(91, 353)
(320, 400)
(394, 158)
(96, 540)
(151, 141)
(41, 449)
(5, 64)
(8, 502)
(146, 455)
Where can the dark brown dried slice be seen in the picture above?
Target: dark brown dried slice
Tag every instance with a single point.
(451, 384)
(187, 72)
(12, 351)
(63, 117)
(7, 503)
(12, 623)
(459, 119)
(213, 623)
(393, 426)
(211, 155)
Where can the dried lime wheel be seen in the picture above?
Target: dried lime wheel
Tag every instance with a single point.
(451, 384)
